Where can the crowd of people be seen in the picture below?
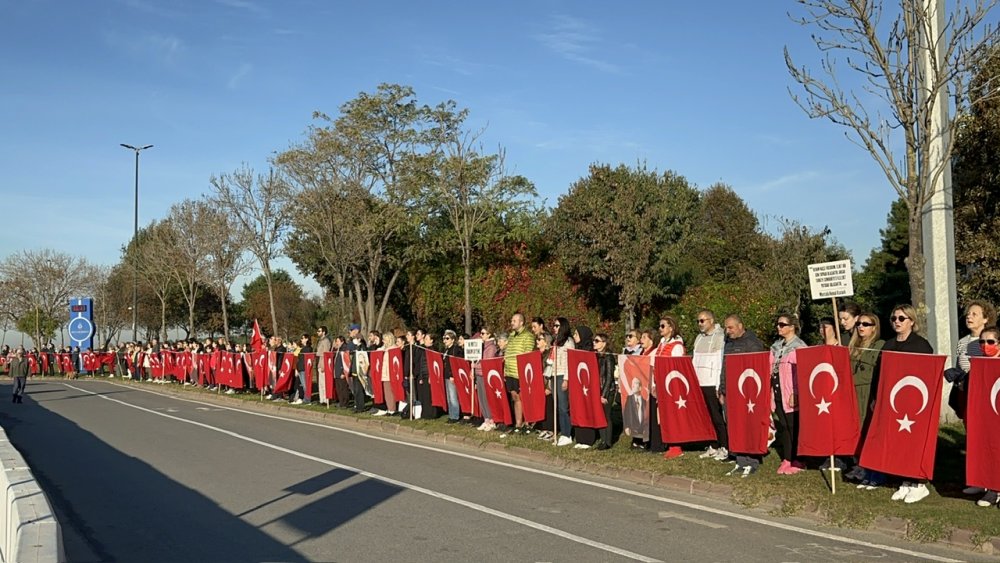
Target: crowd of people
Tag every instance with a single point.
(394, 374)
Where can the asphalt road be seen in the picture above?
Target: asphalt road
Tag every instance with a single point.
(135, 475)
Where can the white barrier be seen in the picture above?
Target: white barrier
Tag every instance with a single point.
(29, 527)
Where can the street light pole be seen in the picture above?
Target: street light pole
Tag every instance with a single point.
(135, 235)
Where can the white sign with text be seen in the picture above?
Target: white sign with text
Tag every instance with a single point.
(831, 279)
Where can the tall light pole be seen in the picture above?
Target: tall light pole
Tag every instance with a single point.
(135, 235)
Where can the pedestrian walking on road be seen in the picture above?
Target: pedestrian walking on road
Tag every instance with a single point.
(19, 372)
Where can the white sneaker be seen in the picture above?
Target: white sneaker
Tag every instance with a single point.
(297, 402)
(581, 447)
(917, 494)
(902, 492)
(710, 452)
(380, 412)
(230, 392)
(564, 441)
(187, 383)
(721, 454)
(545, 435)
(481, 427)
(269, 396)
(973, 491)
(490, 426)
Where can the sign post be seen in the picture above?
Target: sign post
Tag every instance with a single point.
(81, 325)
(832, 280)
(473, 353)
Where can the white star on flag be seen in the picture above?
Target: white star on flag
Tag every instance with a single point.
(905, 423)
(681, 403)
(499, 394)
(823, 406)
(750, 406)
(585, 391)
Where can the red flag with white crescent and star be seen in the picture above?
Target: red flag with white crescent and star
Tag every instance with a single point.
(902, 437)
(256, 338)
(310, 363)
(461, 376)
(435, 371)
(375, 359)
(683, 414)
(328, 363)
(529, 375)
(285, 373)
(496, 390)
(828, 406)
(748, 401)
(32, 364)
(982, 419)
(584, 387)
(395, 360)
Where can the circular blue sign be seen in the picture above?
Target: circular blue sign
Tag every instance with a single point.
(80, 329)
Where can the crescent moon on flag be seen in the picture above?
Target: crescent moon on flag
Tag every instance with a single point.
(823, 368)
(674, 374)
(582, 367)
(993, 395)
(529, 373)
(396, 364)
(462, 373)
(489, 378)
(437, 369)
(909, 381)
(748, 374)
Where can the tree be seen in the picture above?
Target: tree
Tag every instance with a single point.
(977, 185)
(471, 190)
(295, 311)
(150, 253)
(39, 284)
(112, 301)
(192, 236)
(884, 281)
(627, 227)
(255, 203)
(728, 242)
(226, 257)
(890, 60)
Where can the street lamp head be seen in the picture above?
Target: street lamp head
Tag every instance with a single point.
(130, 147)
(146, 147)
(136, 149)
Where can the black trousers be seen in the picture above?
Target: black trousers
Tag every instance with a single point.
(358, 390)
(343, 391)
(788, 429)
(19, 384)
(718, 420)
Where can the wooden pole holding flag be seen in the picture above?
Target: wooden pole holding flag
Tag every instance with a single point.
(411, 381)
(833, 476)
(555, 399)
(472, 399)
(835, 323)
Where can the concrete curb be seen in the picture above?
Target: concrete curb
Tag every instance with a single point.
(890, 526)
(29, 526)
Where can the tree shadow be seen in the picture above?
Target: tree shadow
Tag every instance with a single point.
(114, 507)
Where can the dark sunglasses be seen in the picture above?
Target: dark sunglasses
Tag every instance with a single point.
(898, 319)
(702, 321)
(597, 341)
(663, 326)
(866, 324)
(783, 325)
(989, 341)
(628, 336)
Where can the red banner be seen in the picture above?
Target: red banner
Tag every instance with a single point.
(155, 365)
(683, 414)
(260, 364)
(256, 338)
(435, 370)
(375, 359)
(310, 361)
(496, 390)
(32, 364)
(461, 376)
(530, 375)
(285, 374)
(396, 373)
(584, 386)
(328, 363)
(633, 385)
(828, 405)
(902, 438)
(748, 401)
(45, 363)
(982, 421)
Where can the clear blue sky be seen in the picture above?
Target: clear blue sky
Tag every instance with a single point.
(698, 88)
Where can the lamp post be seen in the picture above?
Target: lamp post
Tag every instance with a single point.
(135, 234)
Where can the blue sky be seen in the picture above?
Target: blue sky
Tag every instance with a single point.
(698, 88)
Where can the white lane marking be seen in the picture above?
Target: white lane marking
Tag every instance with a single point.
(698, 521)
(403, 485)
(571, 479)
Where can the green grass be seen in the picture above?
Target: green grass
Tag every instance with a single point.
(931, 519)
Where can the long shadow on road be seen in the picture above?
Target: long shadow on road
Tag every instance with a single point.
(114, 507)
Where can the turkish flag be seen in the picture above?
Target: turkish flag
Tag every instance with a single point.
(496, 390)
(32, 364)
(202, 361)
(828, 406)
(748, 401)
(396, 373)
(256, 338)
(328, 363)
(902, 438)
(260, 363)
(683, 414)
(285, 374)
(982, 421)
(529, 374)
(45, 363)
(66, 363)
(634, 370)
(584, 386)
(310, 361)
(435, 367)
(461, 376)
(376, 357)
(229, 369)
(155, 365)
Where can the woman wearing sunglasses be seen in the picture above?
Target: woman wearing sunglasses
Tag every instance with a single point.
(866, 349)
(784, 393)
(904, 323)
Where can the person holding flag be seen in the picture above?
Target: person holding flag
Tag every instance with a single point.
(866, 350)
(981, 423)
(785, 398)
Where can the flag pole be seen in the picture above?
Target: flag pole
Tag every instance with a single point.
(836, 325)
(472, 399)
(833, 472)
(555, 400)
(411, 381)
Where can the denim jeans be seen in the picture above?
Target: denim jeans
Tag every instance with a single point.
(302, 387)
(484, 405)
(562, 415)
(453, 412)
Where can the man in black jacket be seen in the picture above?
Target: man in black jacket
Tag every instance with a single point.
(19, 371)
